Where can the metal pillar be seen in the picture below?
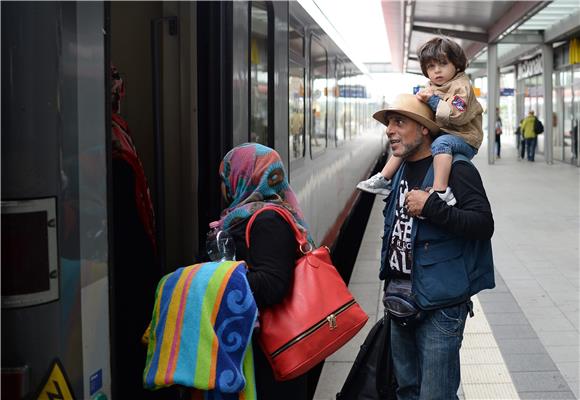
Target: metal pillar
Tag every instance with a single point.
(520, 88)
(519, 105)
(492, 99)
(548, 68)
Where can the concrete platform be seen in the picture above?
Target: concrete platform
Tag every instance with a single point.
(523, 342)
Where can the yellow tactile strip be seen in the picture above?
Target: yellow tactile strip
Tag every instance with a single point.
(484, 374)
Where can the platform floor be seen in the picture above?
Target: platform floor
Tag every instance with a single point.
(523, 342)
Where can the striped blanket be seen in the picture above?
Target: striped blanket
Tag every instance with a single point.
(201, 330)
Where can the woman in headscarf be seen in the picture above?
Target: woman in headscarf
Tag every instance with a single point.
(253, 176)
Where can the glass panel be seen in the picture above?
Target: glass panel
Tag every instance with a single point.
(558, 109)
(296, 40)
(25, 253)
(259, 74)
(331, 107)
(576, 114)
(507, 105)
(318, 70)
(347, 107)
(540, 111)
(296, 111)
(567, 117)
(340, 107)
(350, 109)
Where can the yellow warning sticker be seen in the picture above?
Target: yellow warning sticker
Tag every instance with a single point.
(56, 385)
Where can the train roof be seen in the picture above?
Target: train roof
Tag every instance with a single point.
(308, 12)
(518, 26)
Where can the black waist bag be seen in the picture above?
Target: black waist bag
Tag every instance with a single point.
(399, 303)
(371, 376)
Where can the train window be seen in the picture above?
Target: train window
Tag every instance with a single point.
(29, 252)
(296, 110)
(331, 101)
(319, 96)
(259, 76)
(340, 104)
(348, 107)
(296, 39)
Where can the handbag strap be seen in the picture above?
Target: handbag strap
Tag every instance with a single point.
(305, 246)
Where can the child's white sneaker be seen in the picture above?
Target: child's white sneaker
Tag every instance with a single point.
(376, 184)
(447, 196)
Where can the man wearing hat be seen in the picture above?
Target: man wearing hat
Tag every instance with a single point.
(434, 257)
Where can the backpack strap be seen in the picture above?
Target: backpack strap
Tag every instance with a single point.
(300, 236)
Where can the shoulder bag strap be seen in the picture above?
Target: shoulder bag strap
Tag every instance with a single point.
(298, 234)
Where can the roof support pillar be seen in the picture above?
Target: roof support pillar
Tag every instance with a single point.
(492, 99)
(548, 68)
(520, 111)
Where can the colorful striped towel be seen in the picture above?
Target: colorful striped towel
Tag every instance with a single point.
(200, 334)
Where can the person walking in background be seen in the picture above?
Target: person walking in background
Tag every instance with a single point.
(253, 176)
(520, 145)
(457, 112)
(498, 132)
(428, 313)
(528, 129)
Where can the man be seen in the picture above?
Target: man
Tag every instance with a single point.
(529, 133)
(434, 256)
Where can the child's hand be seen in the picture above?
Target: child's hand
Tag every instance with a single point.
(424, 94)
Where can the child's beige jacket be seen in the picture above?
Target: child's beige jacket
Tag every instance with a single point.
(459, 112)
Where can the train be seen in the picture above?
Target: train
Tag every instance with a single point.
(199, 78)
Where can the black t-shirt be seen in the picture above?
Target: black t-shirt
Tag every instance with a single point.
(400, 255)
(470, 218)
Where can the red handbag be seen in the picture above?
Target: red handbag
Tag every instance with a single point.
(317, 317)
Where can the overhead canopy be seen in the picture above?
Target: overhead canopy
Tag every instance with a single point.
(518, 26)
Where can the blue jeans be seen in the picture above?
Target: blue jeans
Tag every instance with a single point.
(451, 144)
(531, 148)
(426, 356)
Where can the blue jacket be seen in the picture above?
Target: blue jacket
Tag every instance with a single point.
(447, 269)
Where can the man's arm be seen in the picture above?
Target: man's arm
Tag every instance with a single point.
(471, 217)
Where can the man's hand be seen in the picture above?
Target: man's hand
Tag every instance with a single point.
(424, 94)
(414, 202)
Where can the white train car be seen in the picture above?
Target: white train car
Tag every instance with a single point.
(200, 77)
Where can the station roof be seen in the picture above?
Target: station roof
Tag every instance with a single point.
(517, 26)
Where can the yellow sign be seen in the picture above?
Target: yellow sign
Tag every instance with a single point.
(574, 51)
(56, 386)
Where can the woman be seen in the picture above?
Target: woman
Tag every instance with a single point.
(253, 176)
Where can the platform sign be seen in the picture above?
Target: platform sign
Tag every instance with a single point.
(56, 385)
(506, 91)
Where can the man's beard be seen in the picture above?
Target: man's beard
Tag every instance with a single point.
(411, 148)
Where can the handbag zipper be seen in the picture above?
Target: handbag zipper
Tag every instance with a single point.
(330, 320)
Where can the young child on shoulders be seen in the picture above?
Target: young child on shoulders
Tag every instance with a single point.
(457, 112)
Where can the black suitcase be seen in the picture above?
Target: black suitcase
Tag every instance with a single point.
(371, 376)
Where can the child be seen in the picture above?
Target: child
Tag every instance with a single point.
(457, 113)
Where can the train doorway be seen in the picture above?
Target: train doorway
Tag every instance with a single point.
(151, 52)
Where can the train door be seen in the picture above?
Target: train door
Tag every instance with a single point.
(152, 46)
(55, 298)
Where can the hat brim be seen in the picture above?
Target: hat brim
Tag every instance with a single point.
(381, 116)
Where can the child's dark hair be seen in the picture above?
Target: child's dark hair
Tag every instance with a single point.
(441, 48)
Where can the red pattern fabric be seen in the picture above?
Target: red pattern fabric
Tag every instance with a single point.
(124, 149)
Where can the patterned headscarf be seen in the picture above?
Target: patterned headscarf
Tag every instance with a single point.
(254, 177)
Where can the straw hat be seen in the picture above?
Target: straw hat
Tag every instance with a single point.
(409, 106)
